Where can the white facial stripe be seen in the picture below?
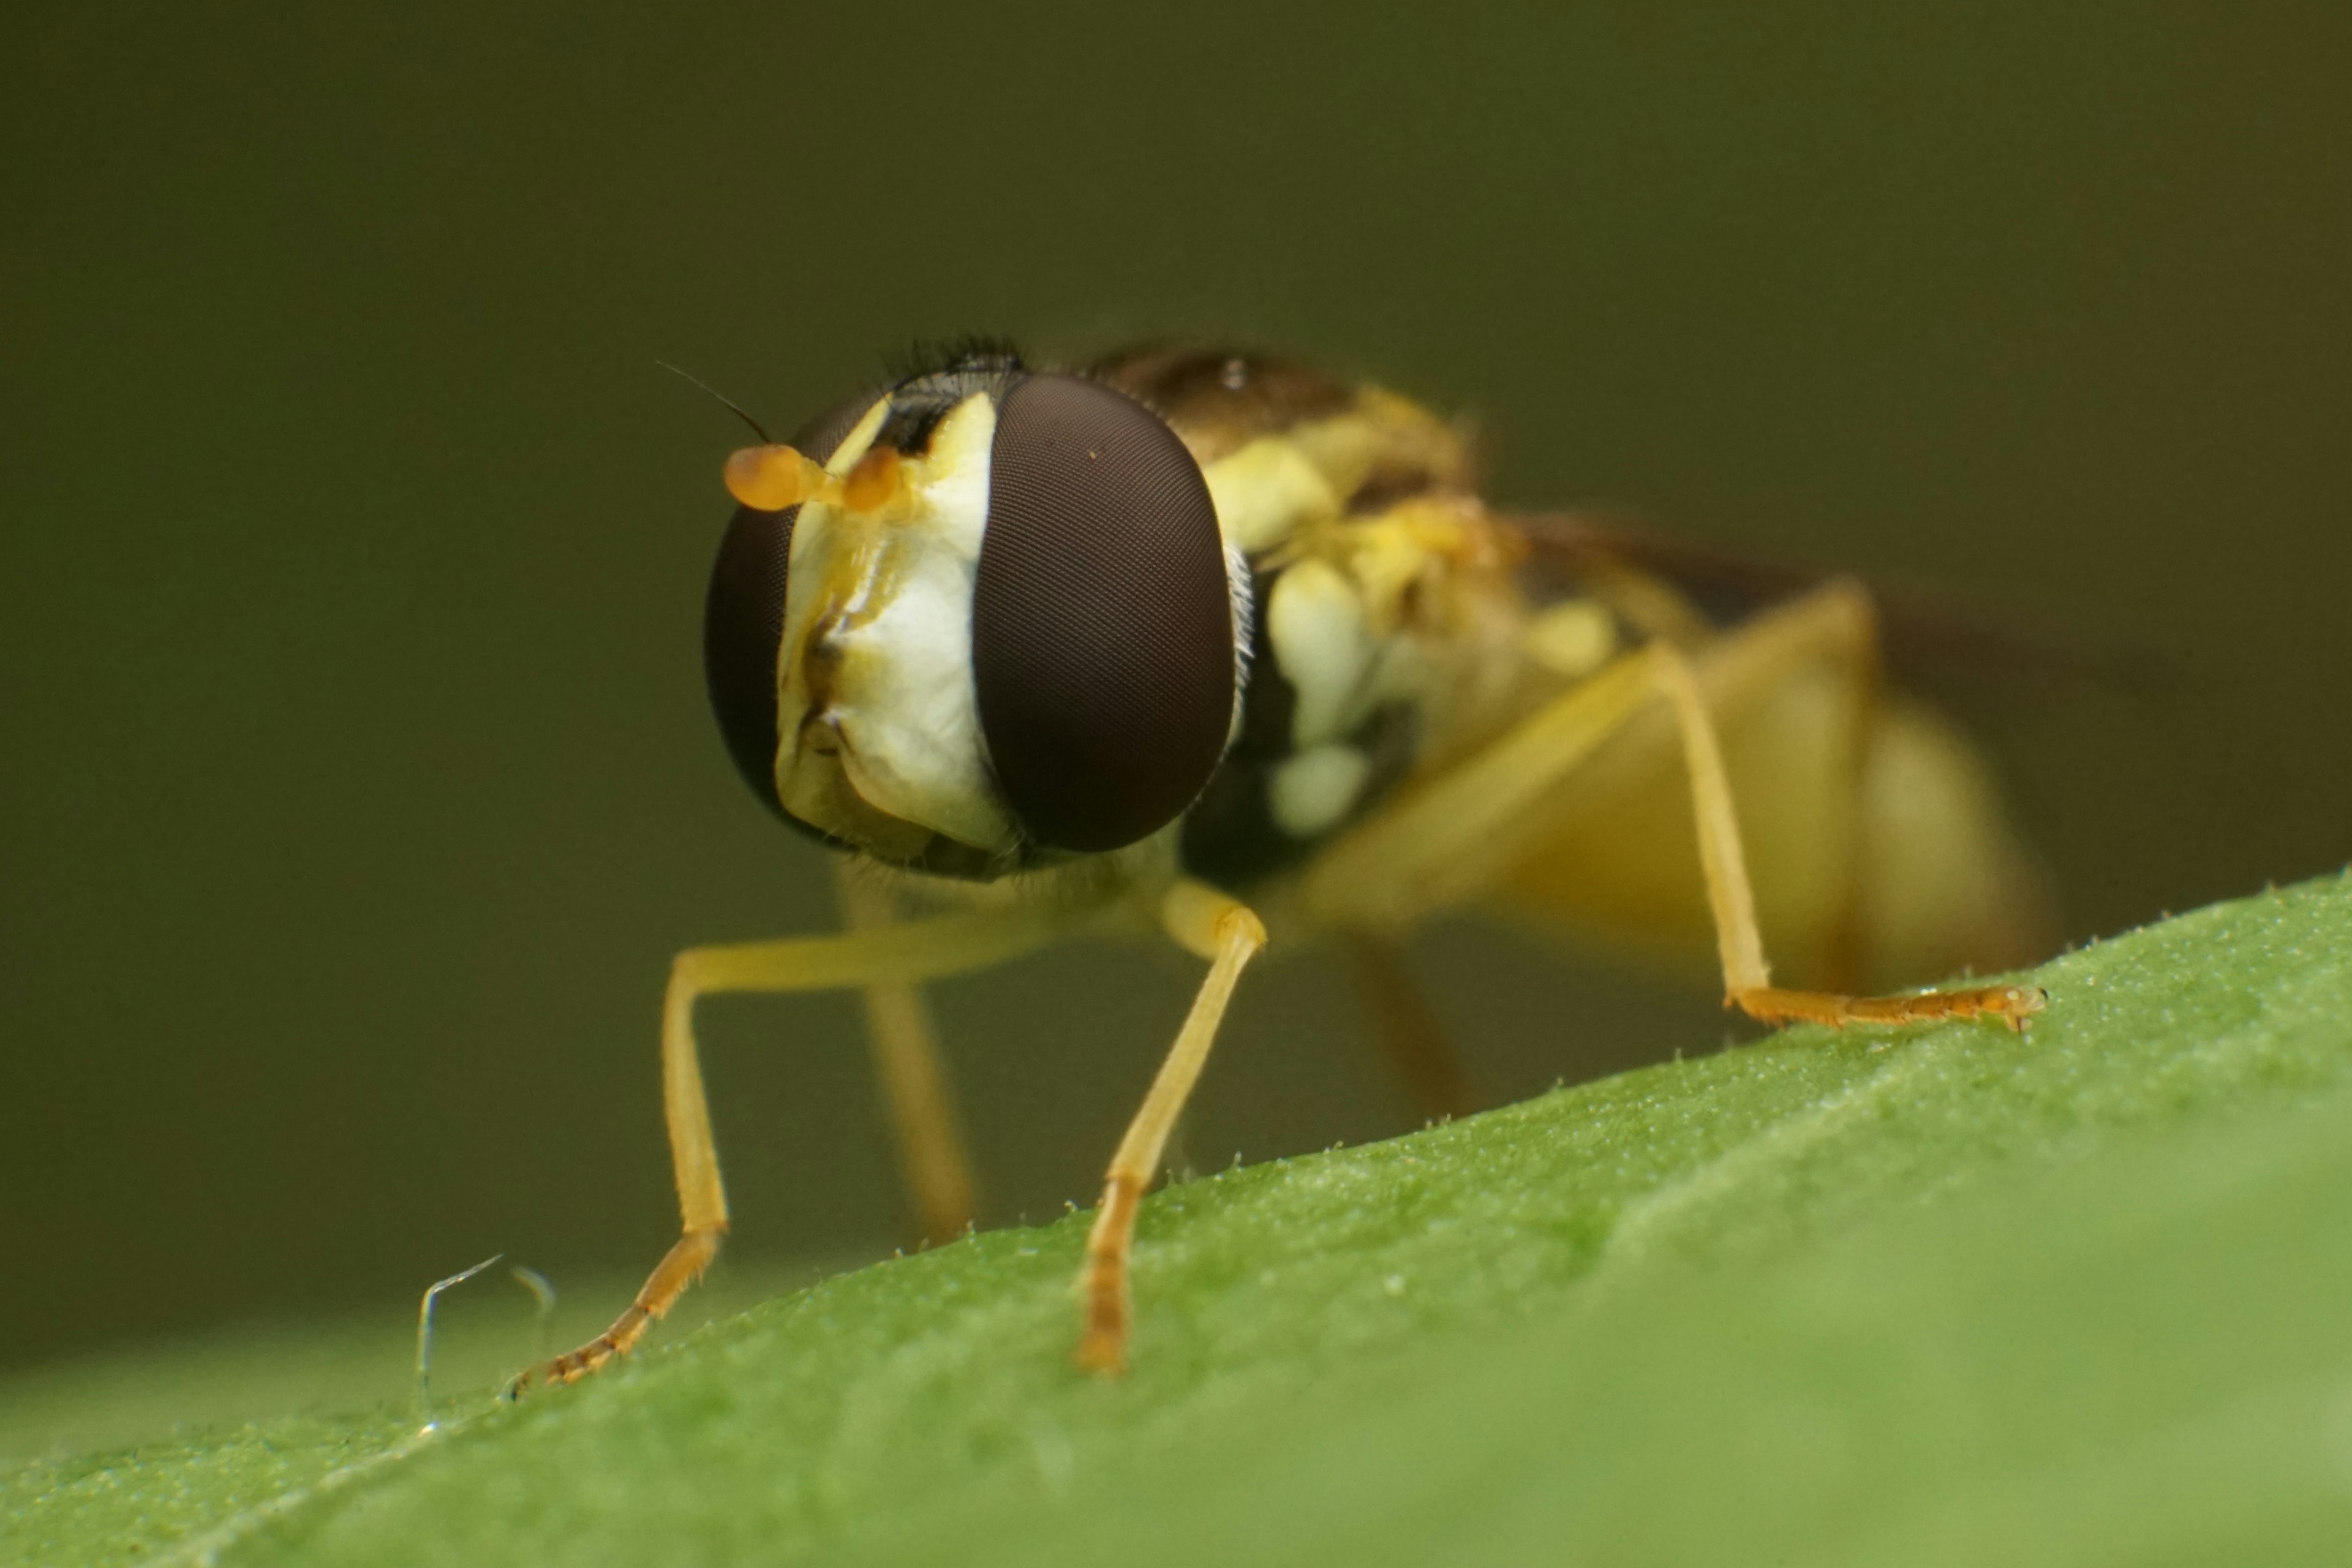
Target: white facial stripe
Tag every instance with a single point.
(895, 588)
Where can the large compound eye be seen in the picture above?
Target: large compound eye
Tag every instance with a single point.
(1102, 625)
(743, 614)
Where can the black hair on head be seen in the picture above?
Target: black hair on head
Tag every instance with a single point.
(966, 352)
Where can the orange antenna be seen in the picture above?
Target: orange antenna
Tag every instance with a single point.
(772, 477)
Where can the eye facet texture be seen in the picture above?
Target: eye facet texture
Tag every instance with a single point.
(743, 614)
(1103, 629)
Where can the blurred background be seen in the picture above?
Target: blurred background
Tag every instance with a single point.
(357, 779)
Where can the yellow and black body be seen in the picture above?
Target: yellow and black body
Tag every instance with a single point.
(1213, 642)
(1402, 625)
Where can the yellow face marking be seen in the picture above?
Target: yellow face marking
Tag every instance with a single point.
(861, 435)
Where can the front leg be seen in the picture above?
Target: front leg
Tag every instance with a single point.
(1229, 935)
(916, 1093)
(898, 954)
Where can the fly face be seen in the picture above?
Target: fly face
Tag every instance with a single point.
(981, 622)
(878, 731)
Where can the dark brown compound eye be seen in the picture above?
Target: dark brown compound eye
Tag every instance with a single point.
(1102, 626)
(743, 614)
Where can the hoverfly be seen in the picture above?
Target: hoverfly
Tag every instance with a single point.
(1213, 645)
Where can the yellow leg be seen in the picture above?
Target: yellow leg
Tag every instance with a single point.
(1836, 628)
(914, 1089)
(1425, 1060)
(1459, 834)
(1795, 691)
(1229, 936)
(1876, 842)
(1456, 836)
(898, 954)
(1746, 982)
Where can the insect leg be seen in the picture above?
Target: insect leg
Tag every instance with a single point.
(1746, 982)
(1229, 936)
(1468, 832)
(898, 954)
(1911, 871)
(1408, 1030)
(1832, 631)
(922, 1103)
(1456, 836)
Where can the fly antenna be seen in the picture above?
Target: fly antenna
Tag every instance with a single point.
(689, 376)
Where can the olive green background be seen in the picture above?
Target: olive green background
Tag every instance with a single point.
(357, 781)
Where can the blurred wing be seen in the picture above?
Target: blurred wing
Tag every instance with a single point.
(1923, 631)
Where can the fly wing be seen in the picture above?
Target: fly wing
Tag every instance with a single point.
(1926, 633)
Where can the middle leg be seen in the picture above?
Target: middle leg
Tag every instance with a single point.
(1229, 936)
(913, 1073)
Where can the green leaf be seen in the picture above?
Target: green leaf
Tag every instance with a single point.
(1944, 1295)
